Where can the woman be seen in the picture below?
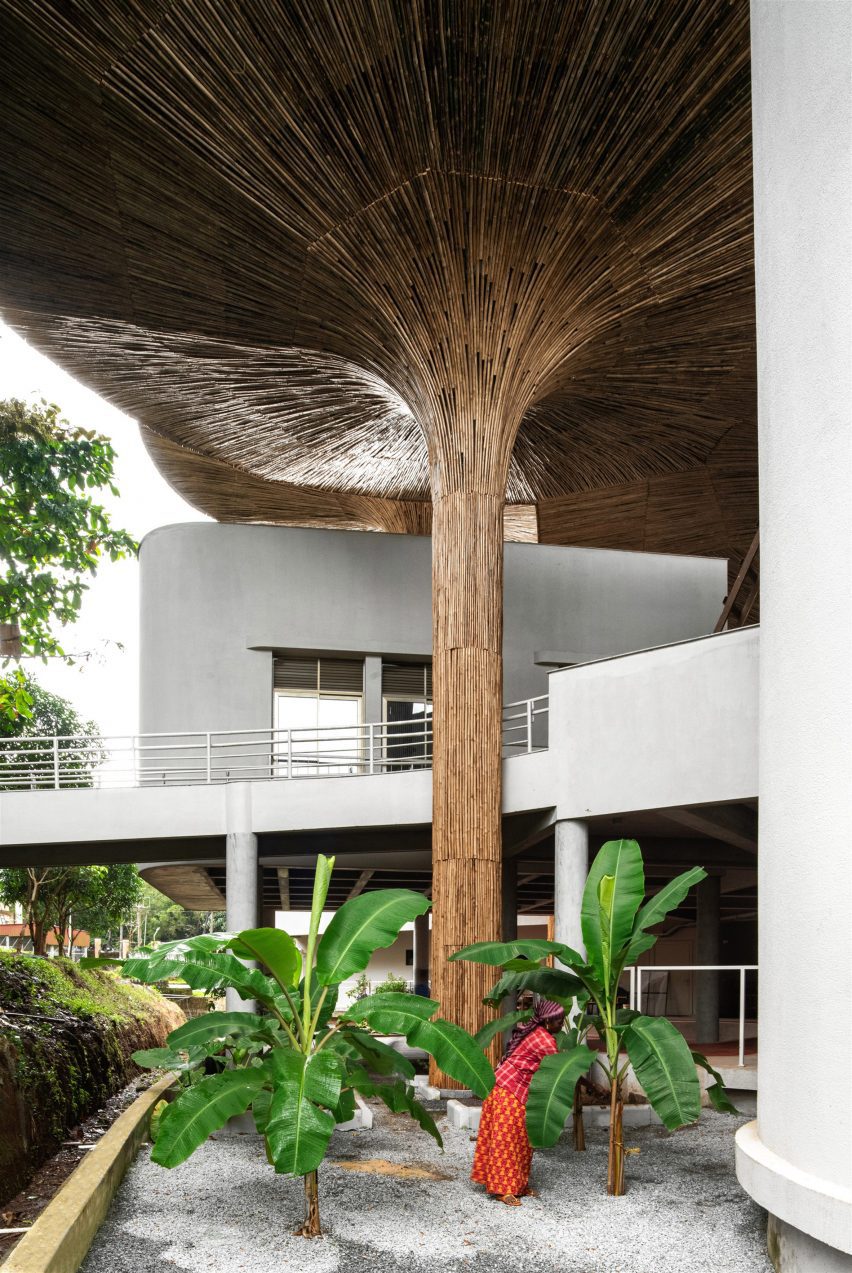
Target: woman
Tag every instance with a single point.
(503, 1151)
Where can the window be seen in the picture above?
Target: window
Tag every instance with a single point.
(407, 707)
(318, 702)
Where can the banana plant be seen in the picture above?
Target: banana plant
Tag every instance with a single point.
(293, 1063)
(615, 921)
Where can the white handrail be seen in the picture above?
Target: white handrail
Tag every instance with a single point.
(65, 761)
(635, 1000)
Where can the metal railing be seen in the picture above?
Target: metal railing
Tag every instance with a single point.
(177, 759)
(635, 973)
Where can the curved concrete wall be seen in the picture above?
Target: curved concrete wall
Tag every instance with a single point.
(217, 598)
(797, 1162)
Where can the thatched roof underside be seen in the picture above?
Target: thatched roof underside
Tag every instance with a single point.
(316, 249)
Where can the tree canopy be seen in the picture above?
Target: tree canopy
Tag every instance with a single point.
(53, 533)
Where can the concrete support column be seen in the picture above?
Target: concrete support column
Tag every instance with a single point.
(421, 955)
(241, 873)
(570, 868)
(795, 1160)
(510, 899)
(707, 951)
(372, 689)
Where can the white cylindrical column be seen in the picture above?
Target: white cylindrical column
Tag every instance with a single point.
(570, 868)
(241, 873)
(707, 952)
(796, 1160)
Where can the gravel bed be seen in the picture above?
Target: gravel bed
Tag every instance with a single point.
(225, 1210)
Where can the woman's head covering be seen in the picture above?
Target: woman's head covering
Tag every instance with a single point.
(545, 1013)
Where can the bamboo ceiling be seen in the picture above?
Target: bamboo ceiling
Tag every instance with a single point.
(292, 237)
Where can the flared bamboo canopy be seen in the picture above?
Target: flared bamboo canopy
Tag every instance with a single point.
(338, 258)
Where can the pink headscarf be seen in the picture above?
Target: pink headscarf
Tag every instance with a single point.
(545, 1012)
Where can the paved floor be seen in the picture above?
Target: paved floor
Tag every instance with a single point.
(225, 1210)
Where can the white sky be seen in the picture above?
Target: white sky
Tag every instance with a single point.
(105, 687)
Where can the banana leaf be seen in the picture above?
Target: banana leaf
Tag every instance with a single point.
(206, 971)
(660, 904)
(221, 1025)
(300, 1123)
(379, 1056)
(400, 1100)
(275, 949)
(663, 1064)
(455, 1052)
(607, 918)
(363, 925)
(345, 1108)
(550, 982)
(717, 1091)
(392, 1012)
(492, 1028)
(201, 1110)
(497, 953)
(260, 1109)
(551, 1094)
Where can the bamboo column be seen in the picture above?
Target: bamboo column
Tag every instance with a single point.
(467, 670)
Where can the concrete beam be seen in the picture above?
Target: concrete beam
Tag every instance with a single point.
(732, 824)
(360, 883)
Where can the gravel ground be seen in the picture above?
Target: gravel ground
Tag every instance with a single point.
(224, 1210)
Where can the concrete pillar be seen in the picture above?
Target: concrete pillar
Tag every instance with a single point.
(241, 873)
(570, 868)
(707, 951)
(795, 1160)
(421, 955)
(510, 899)
(372, 689)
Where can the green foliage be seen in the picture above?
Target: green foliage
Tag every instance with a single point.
(43, 986)
(95, 899)
(551, 1094)
(393, 985)
(46, 715)
(292, 1063)
(362, 925)
(615, 925)
(716, 1091)
(53, 534)
(166, 921)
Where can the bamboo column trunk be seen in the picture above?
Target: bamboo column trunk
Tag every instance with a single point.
(467, 547)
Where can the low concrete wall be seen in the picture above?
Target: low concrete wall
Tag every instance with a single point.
(657, 729)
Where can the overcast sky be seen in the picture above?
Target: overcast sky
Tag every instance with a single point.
(104, 687)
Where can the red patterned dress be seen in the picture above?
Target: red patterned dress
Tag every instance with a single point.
(503, 1151)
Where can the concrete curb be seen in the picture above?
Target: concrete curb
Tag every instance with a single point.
(60, 1238)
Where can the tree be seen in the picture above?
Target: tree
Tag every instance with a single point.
(615, 919)
(300, 1069)
(52, 532)
(167, 921)
(67, 900)
(47, 715)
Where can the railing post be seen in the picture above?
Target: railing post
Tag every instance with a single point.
(638, 988)
(209, 770)
(289, 753)
(372, 766)
(742, 1017)
(632, 972)
(56, 762)
(529, 725)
